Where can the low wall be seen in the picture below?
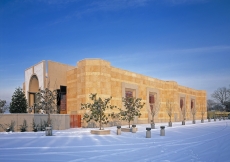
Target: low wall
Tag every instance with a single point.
(59, 121)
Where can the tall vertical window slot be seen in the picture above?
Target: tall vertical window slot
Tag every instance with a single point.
(181, 103)
(151, 100)
(192, 104)
(61, 100)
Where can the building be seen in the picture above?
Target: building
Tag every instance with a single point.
(74, 85)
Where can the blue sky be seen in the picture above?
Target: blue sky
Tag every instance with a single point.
(187, 41)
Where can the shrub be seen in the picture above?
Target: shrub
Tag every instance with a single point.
(8, 127)
(24, 126)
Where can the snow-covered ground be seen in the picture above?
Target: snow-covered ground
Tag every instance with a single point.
(201, 142)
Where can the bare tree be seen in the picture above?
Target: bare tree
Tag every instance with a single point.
(46, 100)
(227, 104)
(169, 108)
(193, 111)
(3, 106)
(210, 104)
(183, 111)
(154, 108)
(201, 107)
(221, 95)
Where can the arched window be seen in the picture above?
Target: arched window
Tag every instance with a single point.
(34, 85)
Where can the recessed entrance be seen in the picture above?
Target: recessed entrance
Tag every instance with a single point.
(33, 89)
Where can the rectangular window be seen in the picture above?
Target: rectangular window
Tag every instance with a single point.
(192, 103)
(129, 92)
(62, 98)
(182, 102)
(151, 99)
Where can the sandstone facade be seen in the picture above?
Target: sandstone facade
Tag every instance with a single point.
(98, 76)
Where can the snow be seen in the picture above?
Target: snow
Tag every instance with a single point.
(191, 142)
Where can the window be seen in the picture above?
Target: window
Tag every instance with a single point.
(61, 98)
(128, 94)
(151, 98)
(181, 103)
(192, 104)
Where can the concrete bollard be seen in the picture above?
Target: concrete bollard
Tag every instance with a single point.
(162, 133)
(214, 119)
(134, 129)
(170, 124)
(209, 120)
(183, 122)
(202, 121)
(152, 125)
(194, 122)
(148, 132)
(118, 130)
(48, 131)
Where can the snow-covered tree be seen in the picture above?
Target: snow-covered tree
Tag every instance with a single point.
(18, 102)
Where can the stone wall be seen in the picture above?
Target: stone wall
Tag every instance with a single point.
(59, 121)
(57, 74)
(97, 76)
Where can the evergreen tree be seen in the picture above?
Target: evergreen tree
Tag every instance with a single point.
(18, 102)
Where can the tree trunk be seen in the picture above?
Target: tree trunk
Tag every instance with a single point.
(100, 124)
(100, 120)
(49, 122)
